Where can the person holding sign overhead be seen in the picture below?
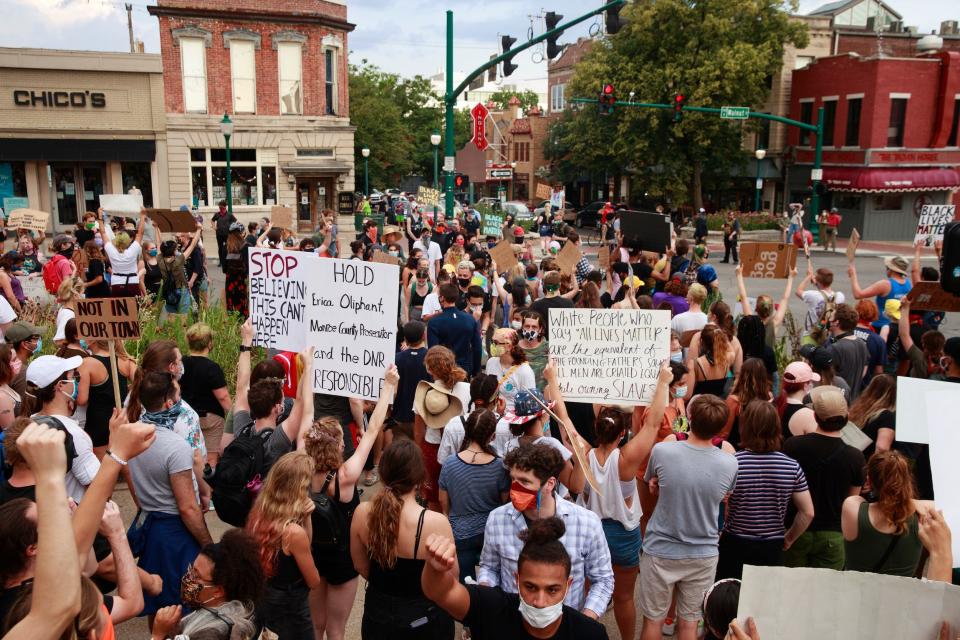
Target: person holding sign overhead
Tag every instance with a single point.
(124, 255)
(895, 286)
(176, 290)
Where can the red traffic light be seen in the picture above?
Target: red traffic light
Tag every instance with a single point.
(678, 99)
(608, 89)
(458, 181)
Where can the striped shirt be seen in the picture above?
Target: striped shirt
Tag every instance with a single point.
(766, 483)
(474, 491)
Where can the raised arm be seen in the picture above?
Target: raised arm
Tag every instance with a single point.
(128, 603)
(637, 450)
(781, 312)
(439, 578)
(803, 283)
(301, 415)
(243, 367)
(915, 267)
(878, 288)
(352, 468)
(141, 225)
(193, 241)
(742, 291)
(904, 324)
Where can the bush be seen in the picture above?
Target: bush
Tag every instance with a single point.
(748, 221)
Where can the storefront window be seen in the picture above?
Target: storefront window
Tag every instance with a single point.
(13, 182)
(64, 181)
(199, 187)
(92, 187)
(251, 183)
(269, 185)
(846, 201)
(136, 175)
(243, 184)
(888, 202)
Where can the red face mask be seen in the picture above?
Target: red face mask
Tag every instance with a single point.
(523, 498)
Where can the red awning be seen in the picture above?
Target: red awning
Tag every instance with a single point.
(865, 180)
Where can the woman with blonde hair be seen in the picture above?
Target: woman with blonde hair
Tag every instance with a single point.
(71, 290)
(388, 545)
(124, 255)
(280, 523)
(336, 481)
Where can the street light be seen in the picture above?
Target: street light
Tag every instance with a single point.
(365, 152)
(435, 141)
(226, 128)
(513, 178)
(760, 154)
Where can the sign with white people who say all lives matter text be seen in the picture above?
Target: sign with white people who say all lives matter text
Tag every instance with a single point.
(609, 356)
(345, 310)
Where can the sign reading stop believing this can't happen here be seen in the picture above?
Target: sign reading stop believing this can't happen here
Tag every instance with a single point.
(345, 310)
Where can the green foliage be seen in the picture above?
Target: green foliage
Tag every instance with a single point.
(748, 221)
(528, 99)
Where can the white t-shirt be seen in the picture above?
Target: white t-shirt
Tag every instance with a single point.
(462, 391)
(431, 304)
(815, 302)
(7, 314)
(688, 321)
(124, 264)
(433, 255)
(453, 438)
(522, 378)
(63, 316)
(85, 466)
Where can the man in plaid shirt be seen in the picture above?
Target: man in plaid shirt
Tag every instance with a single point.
(583, 266)
(534, 469)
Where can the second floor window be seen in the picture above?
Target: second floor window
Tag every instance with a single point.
(557, 102)
(194, 64)
(898, 117)
(330, 81)
(806, 116)
(244, 75)
(291, 78)
(829, 121)
(852, 139)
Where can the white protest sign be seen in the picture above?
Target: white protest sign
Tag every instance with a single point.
(557, 199)
(933, 218)
(345, 310)
(121, 204)
(609, 356)
(34, 289)
(849, 605)
(944, 430)
(912, 407)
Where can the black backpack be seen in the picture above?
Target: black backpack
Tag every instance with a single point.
(329, 524)
(239, 475)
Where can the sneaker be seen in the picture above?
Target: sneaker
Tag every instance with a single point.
(372, 477)
(668, 626)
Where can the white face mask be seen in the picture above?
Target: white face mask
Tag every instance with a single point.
(540, 618)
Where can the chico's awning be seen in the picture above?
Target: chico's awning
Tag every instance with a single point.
(865, 180)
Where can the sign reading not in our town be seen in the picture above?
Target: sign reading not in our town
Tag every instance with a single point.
(108, 318)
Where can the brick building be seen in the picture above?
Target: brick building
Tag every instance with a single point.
(891, 136)
(279, 69)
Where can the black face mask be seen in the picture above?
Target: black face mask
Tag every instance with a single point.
(67, 252)
(464, 282)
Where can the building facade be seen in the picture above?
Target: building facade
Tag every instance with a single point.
(279, 71)
(78, 124)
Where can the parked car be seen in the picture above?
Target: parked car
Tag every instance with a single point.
(589, 216)
(518, 210)
(375, 196)
(394, 193)
(569, 215)
(493, 203)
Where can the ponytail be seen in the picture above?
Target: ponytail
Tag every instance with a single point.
(890, 476)
(721, 313)
(402, 471)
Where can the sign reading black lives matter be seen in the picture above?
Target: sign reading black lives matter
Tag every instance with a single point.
(346, 310)
(609, 356)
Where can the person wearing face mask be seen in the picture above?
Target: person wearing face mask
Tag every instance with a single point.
(551, 300)
(25, 339)
(54, 384)
(542, 579)
(508, 362)
(484, 394)
(431, 250)
(60, 267)
(124, 255)
(534, 470)
(149, 271)
(86, 229)
(221, 586)
(532, 334)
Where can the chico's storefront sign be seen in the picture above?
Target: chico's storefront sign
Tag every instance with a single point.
(59, 99)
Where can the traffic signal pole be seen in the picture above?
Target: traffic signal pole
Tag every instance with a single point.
(450, 98)
(816, 175)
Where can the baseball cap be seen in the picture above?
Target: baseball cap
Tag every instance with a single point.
(828, 402)
(45, 370)
(20, 331)
(801, 372)
(818, 357)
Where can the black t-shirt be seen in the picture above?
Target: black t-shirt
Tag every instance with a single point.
(495, 615)
(9, 492)
(194, 264)
(9, 596)
(543, 306)
(885, 420)
(412, 370)
(832, 469)
(201, 376)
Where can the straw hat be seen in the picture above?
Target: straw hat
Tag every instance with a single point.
(436, 404)
(897, 264)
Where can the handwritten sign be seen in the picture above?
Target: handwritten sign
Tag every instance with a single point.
(557, 199)
(609, 356)
(492, 224)
(603, 257)
(504, 256)
(933, 219)
(930, 296)
(543, 191)
(170, 221)
(345, 310)
(34, 289)
(428, 196)
(767, 259)
(384, 258)
(281, 217)
(568, 258)
(108, 318)
(852, 246)
(121, 204)
(31, 219)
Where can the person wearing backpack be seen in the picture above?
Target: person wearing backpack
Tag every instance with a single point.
(336, 496)
(820, 302)
(175, 289)
(61, 265)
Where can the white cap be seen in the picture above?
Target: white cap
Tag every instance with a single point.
(46, 370)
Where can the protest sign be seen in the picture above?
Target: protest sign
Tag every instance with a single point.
(849, 605)
(170, 221)
(767, 259)
(568, 258)
(384, 258)
(108, 318)
(558, 199)
(943, 425)
(644, 230)
(345, 310)
(543, 191)
(503, 255)
(281, 217)
(122, 204)
(603, 257)
(852, 246)
(609, 356)
(34, 289)
(31, 219)
(933, 219)
(428, 196)
(930, 296)
(492, 224)
(912, 407)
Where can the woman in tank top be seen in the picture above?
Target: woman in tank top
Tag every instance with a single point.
(418, 290)
(709, 368)
(96, 390)
(894, 286)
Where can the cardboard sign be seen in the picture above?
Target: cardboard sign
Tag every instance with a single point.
(852, 245)
(170, 221)
(122, 204)
(603, 257)
(34, 289)
(933, 219)
(767, 259)
(346, 310)
(558, 198)
(428, 196)
(108, 318)
(930, 296)
(849, 605)
(543, 191)
(503, 255)
(609, 356)
(493, 224)
(568, 258)
(31, 219)
(644, 230)
(281, 217)
(384, 258)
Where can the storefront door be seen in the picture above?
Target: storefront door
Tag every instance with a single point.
(93, 179)
(313, 196)
(65, 185)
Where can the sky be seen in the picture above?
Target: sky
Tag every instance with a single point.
(401, 36)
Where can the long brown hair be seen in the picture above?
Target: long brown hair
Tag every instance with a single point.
(752, 383)
(721, 313)
(715, 346)
(235, 242)
(880, 395)
(442, 365)
(157, 357)
(589, 297)
(760, 429)
(402, 471)
(890, 477)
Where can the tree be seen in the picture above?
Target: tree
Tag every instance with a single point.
(528, 99)
(714, 52)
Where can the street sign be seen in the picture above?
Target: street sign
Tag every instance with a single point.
(449, 164)
(735, 113)
(816, 174)
(499, 174)
(479, 114)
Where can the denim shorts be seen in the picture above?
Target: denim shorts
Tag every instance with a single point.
(624, 545)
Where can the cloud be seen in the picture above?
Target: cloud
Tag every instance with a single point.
(63, 13)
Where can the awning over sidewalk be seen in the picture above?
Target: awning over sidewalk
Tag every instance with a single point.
(864, 180)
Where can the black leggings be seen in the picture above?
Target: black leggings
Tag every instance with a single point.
(394, 618)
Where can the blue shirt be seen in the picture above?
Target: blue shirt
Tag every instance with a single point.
(457, 331)
(412, 370)
(474, 491)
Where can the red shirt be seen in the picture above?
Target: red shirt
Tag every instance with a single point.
(833, 220)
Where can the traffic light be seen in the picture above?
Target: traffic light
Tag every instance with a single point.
(678, 107)
(505, 43)
(607, 100)
(461, 181)
(552, 19)
(613, 19)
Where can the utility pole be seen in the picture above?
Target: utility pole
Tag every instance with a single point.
(133, 46)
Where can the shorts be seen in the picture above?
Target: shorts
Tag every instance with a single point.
(431, 485)
(659, 576)
(212, 427)
(185, 304)
(546, 231)
(129, 290)
(336, 567)
(624, 544)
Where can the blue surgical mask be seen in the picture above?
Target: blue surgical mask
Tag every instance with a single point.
(84, 345)
(98, 241)
(153, 253)
(676, 357)
(39, 346)
(76, 389)
(680, 392)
